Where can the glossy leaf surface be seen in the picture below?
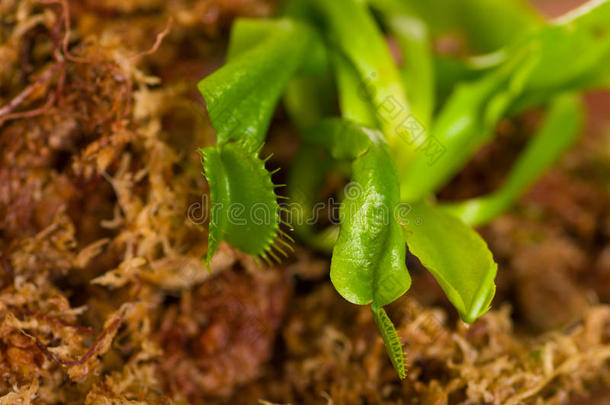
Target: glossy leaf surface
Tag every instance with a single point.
(368, 263)
(241, 98)
(242, 95)
(456, 256)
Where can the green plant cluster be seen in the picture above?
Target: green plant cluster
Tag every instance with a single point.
(402, 130)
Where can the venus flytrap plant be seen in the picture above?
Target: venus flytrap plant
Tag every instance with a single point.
(368, 264)
(240, 99)
(391, 124)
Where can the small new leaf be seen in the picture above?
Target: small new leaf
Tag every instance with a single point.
(391, 340)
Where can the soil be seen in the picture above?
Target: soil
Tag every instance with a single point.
(104, 297)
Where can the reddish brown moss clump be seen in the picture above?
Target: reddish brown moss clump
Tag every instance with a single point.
(219, 335)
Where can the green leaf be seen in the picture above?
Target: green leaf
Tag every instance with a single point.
(390, 339)
(491, 24)
(456, 256)
(368, 263)
(242, 200)
(417, 68)
(464, 124)
(528, 75)
(240, 98)
(580, 43)
(247, 34)
(354, 105)
(561, 127)
(242, 95)
(368, 52)
(486, 24)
